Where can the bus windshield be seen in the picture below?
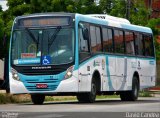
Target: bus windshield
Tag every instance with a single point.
(49, 46)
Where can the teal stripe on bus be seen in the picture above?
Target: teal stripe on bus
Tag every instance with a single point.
(116, 56)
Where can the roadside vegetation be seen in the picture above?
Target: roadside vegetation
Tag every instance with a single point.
(10, 99)
(145, 93)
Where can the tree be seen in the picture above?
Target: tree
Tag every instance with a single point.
(0, 8)
(1, 38)
(139, 13)
(87, 7)
(152, 23)
(106, 5)
(119, 8)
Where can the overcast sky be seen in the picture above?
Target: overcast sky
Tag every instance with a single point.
(3, 4)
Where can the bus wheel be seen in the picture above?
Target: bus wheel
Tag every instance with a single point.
(133, 94)
(88, 97)
(7, 90)
(38, 99)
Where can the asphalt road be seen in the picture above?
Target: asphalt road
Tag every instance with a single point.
(110, 108)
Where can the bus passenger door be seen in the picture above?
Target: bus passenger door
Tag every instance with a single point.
(84, 54)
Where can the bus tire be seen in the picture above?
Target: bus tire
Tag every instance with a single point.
(133, 94)
(88, 97)
(38, 99)
(7, 90)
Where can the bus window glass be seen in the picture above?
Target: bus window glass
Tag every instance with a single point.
(148, 45)
(98, 36)
(95, 39)
(118, 41)
(139, 44)
(83, 44)
(35, 44)
(129, 42)
(107, 40)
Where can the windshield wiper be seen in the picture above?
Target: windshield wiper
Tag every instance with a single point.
(54, 35)
(31, 35)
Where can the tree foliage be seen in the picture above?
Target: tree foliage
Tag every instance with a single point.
(1, 35)
(139, 13)
(152, 23)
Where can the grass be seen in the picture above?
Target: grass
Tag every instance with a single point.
(68, 98)
(25, 98)
(145, 93)
(8, 98)
(107, 96)
(60, 98)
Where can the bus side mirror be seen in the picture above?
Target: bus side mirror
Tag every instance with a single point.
(85, 33)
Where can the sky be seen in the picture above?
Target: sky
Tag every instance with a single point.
(3, 4)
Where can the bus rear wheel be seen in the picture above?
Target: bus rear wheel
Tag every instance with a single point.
(133, 94)
(37, 99)
(88, 97)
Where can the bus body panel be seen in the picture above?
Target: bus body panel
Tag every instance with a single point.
(147, 71)
(111, 81)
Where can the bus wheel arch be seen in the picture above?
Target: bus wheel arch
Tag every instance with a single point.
(90, 97)
(132, 95)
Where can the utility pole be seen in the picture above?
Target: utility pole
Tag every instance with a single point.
(128, 6)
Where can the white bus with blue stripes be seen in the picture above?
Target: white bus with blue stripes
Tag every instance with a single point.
(82, 55)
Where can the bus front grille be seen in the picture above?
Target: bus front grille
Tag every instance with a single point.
(51, 84)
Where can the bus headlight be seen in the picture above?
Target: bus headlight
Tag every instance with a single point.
(15, 75)
(69, 72)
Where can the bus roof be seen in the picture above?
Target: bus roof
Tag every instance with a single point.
(108, 17)
(112, 23)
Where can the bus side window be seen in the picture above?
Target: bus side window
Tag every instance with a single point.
(139, 44)
(107, 40)
(118, 42)
(95, 34)
(129, 42)
(149, 50)
(83, 44)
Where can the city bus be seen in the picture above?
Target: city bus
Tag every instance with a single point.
(81, 55)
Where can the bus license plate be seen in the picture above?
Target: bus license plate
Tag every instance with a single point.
(41, 86)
